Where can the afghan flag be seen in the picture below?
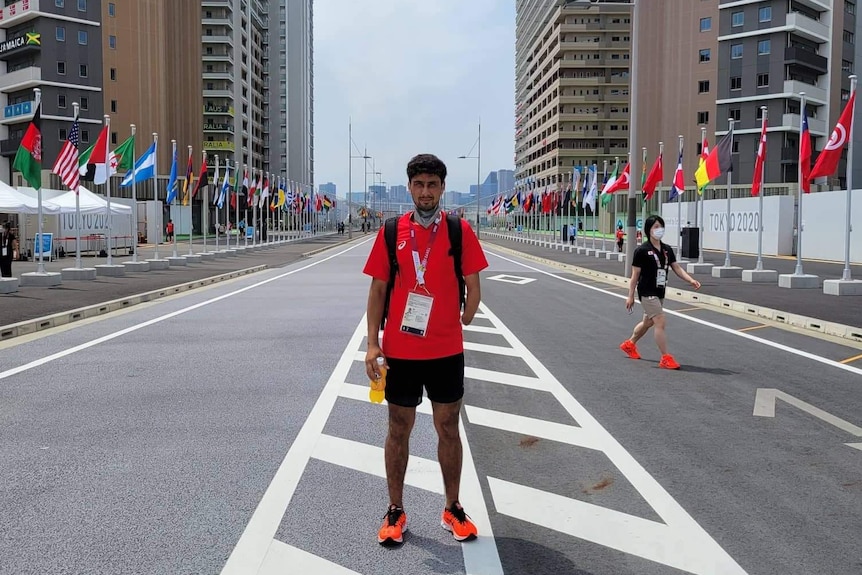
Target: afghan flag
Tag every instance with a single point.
(717, 163)
(28, 159)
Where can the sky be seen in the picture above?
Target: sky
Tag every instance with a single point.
(413, 77)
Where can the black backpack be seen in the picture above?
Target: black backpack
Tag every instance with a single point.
(390, 234)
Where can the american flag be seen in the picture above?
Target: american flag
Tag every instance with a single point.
(66, 165)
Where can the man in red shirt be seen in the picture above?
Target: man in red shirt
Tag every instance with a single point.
(423, 344)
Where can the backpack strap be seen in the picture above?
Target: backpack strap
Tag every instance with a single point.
(390, 234)
(453, 223)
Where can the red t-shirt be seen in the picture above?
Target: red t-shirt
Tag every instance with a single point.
(443, 337)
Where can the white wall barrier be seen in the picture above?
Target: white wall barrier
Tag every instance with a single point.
(823, 221)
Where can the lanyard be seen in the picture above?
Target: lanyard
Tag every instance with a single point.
(421, 266)
(657, 261)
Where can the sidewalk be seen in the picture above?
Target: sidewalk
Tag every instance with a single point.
(29, 303)
(812, 303)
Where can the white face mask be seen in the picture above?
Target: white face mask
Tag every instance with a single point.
(658, 233)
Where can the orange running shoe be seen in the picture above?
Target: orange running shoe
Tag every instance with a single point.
(668, 362)
(394, 525)
(630, 349)
(456, 521)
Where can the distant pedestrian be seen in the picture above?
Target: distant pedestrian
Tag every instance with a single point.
(169, 231)
(8, 250)
(650, 265)
(620, 238)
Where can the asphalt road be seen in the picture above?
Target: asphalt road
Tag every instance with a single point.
(228, 430)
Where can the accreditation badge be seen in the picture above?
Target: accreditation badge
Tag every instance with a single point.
(416, 314)
(5, 251)
(661, 278)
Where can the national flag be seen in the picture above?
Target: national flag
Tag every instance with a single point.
(615, 184)
(173, 187)
(327, 203)
(758, 163)
(575, 187)
(656, 174)
(203, 179)
(28, 159)
(677, 187)
(251, 191)
(96, 169)
(528, 202)
(717, 163)
(643, 169)
(264, 193)
(827, 162)
(225, 187)
(592, 191)
(704, 154)
(124, 156)
(187, 184)
(66, 165)
(318, 204)
(805, 154)
(145, 168)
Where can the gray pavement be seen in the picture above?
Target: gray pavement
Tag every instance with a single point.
(227, 430)
(808, 302)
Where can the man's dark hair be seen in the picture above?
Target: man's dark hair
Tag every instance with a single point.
(426, 164)
(650, 222)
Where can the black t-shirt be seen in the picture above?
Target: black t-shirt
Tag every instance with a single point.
(7, 241)
(650, 260)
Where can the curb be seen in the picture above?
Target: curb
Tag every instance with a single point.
(329, 247)
(800, 321)
(66, 317)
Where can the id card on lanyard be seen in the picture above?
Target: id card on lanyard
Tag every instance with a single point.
(5, 248)
(419, 300)
(661, 271)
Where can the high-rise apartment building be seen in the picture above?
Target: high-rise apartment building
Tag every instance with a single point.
(55, 46)
(571, 86)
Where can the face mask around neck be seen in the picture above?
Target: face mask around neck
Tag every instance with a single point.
(426, 217)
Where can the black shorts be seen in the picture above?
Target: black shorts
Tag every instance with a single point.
(443, 380)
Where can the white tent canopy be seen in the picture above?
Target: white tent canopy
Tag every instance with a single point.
(16, 202)
(90, 203)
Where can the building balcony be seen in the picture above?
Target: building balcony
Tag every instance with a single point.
(17, 113)
(218, 127)
(18, 13)
(9, 147)
(819, 5)
(21, 79)
(223, 146)
(222, 21)
(811, 92)
(808, 28)
(218, 109)
(807, 58)
(218, 93)
(817, 127)
(225, 58)
(223, 75)
(216, 39)
(216, 3)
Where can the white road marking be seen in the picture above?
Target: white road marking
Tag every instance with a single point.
(105, 338)
(485, 348)
(713, 559)
(673, 546)
(284, 559)
(505, 378)
(517, 280)
(480, 329)
(744, 335)
(854, 445)
(764, 406)
(422, 473)
(529, 426)
(360, 393)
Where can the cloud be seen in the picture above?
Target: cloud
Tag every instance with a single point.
(413, 77)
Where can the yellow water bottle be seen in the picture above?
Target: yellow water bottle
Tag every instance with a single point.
(378, 386)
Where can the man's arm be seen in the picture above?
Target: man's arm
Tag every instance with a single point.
(677, 269)
(374, 312)
(474, 296)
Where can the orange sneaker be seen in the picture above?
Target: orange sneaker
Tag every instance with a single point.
(456, 521)
(668, 362)
(393, 528)
(630, 349)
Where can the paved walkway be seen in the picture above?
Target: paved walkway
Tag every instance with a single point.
(29, 303)
(811, 302)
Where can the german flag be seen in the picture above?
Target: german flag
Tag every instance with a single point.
(718, 162)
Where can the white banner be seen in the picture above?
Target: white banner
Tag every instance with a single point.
(823, 224)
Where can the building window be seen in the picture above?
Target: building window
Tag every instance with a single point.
(703, 87)
(62, 134)
(759, 115)
(112, 9)
(736, 114)
(735, 149)
(849, 37)
(765, 14)
(847, 66)
(703, 117)
(737, 19)
(764, 47)
(61, 68)
(85, 103)
(699, 149)
(114, 138)
(704, 55)
(114, 106)
(59, 3)
(82, 5)
(85, 136)
(82, 37)
(736, 51)
(850, 6)
(705, 24)
(61, 101)
(60, 34)
(736, 82)
(82, 71)
(114, 74)
(112, 42)
(762, 80)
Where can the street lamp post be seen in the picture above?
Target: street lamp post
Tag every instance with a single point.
(350, 180)
(478, 158)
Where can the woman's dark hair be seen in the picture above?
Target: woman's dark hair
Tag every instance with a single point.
(651, 221)
(426, 164)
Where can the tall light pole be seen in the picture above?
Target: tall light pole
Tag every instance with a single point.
(478, 158)
(350, 180)
(365, 201)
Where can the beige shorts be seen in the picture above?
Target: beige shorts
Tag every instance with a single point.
(652, 306)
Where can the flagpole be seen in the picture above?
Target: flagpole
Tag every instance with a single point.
(134, 199)
(156, 190)
(40, 268)
(218, 196)
(643, 197)
(798, 271)
(644, 235)
(254, 211)
(679, 209)
(701, 222)
(759, 265)
(170, 212)
(191, 202)
(205, 205)
(76, 108)
(245, 239)
(727, 222)
(108, 181)
(846, 276)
